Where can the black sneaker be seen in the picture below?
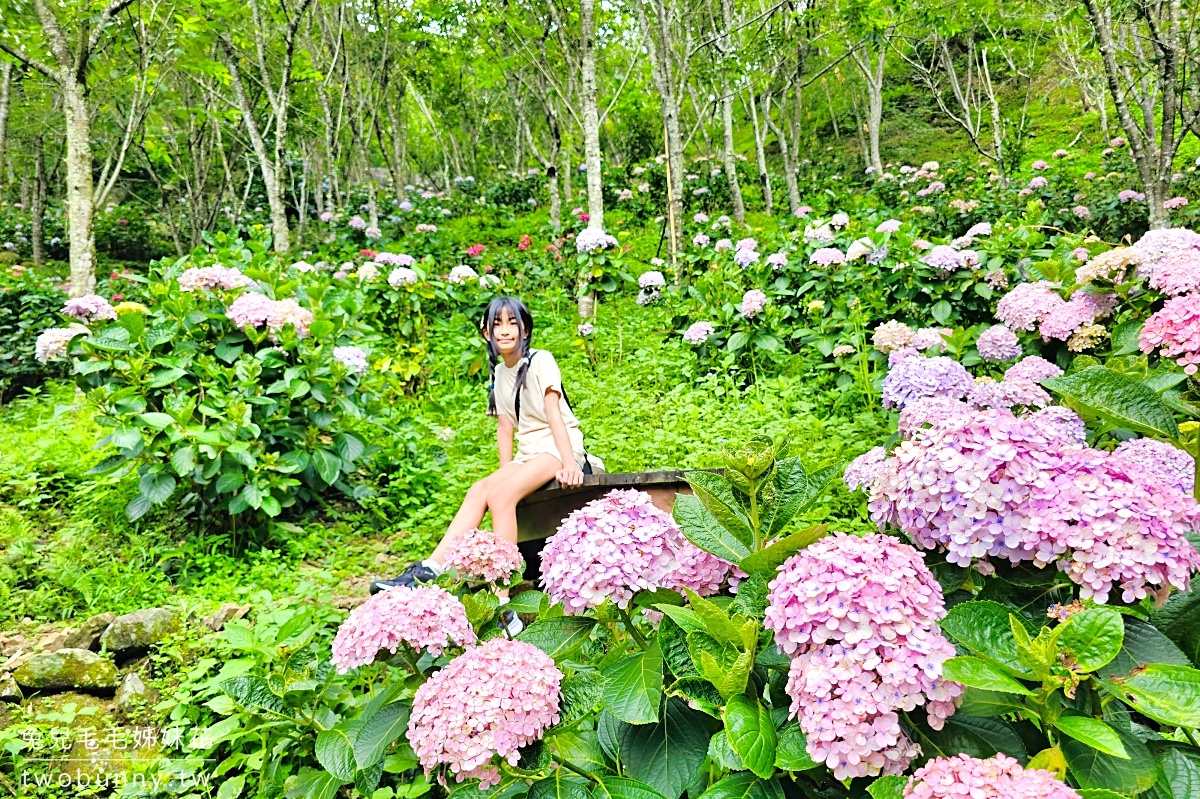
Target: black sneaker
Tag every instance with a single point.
(510, 623)
(415, 573)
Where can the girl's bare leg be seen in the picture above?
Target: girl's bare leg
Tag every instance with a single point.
(474, 505)
(506, 490)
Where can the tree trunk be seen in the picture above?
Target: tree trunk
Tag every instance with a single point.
(555, 197)
(591, 117)
(5, 96)
(735, 189)
(760, 154)
(37, 210)
(785, 152)
(658, 39)
(80, 212)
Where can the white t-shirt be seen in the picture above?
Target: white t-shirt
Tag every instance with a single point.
(534, 435)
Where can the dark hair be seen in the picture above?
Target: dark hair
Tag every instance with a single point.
(524, 319)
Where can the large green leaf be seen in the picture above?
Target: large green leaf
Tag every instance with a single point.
(634, 688)
(888, 788)
(1092, 637)
(976, 702)
(1094, 733)
(623, 788)
(1179, 620)
(379, 732)
(559, 636)
(1180, 766)
(1118, 399)
(791, 753)
(335, 752)
(313, 784)
(1168, 694)
(995, 733)
(1094, 769)
(795, 489)
(766, 561)
(559, 785)
(1141, 646)
(744, 785)
(978, 673)
(580, 692)
(702, 529)
(751, 732)
(665, 755)
(983, 628)
(716, 494)
(583, 748)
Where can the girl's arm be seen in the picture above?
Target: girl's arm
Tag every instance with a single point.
(570, 473)
(504, 439)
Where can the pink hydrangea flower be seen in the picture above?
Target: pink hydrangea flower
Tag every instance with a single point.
(698, 332)
(1028, 304)
(931, 411)
(402, 276)
(827, 256)
(203, 278)
(999, 777)
(54, 341)
(753, 301)
(89, 308)
(861, 472)
(929, 337)
(1176, 272)
(1062, 423)
(1034, 369)
(892, 335)
(1164, 460)
(1174, 331)
(616, 546)
(943, 257)
(859, 618)
(489, 701)
(353, 358)
(997, 344)
(888, 226)
(426, 618)
(1039, 165)
(1065, 318)
(1175, 203)
(483, 556)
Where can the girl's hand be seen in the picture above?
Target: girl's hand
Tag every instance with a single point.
(570, 477)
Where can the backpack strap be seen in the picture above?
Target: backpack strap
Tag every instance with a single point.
(587, 463)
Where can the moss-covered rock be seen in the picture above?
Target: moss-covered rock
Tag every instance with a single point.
(135, 632)
(68, 668)
(88, 634)
(9, 692)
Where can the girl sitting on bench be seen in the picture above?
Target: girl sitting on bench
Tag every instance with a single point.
(527, 398)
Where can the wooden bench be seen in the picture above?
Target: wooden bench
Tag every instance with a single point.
(540, 513)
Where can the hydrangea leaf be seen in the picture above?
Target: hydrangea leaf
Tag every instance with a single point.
(1094, 733)
(559, 636)
(1179, 620)
(1093, 638)
(983, 627)
(1094, 769)
(583, 749)
(666, 754)
(744, 785)
(888, 788)
(1141, 646)
(313, 784)
(579, 695)
(702, 529)
(985, 704)
(1168, 694)
(1180, 766)
(978, 673)
(672, 639)
(716, 494)
(335, 752)
(752, 734)
(559, 785)
(764, 562)
(1118, 399)
(698, 693)
(634, 690)
(796, 489)
(623, 788)
(791, 751)
(379, 733)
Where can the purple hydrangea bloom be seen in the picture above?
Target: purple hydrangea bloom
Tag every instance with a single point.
(861, 472)
(744, 258)
(1164, 460)
(753, 301)
(997, 344)
(919, 376)
(89, 308)
(353, 358)
(590, 240)
(1028, 304)
(827, 256)
(943, 257)
(698, 332)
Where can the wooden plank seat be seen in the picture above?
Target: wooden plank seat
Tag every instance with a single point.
(540, 513)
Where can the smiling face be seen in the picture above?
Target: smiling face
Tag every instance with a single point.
(506, 334)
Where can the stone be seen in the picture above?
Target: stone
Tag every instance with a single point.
(9, 692)
(67, 668)
(132, 692)
(225, 614)
(135, 632)
(88, 634)
(78, 711)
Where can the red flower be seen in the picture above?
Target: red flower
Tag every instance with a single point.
(584, 217)
(526, 240)
(475, 250)
(365, 253)
(122, 222)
